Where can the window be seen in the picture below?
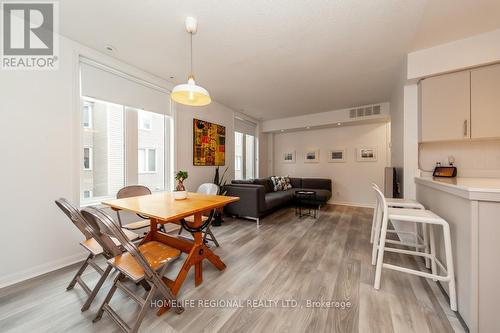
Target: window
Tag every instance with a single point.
(238, 155)
(87, 115)
(103, 152)
(147, 160)
(129, 141)
(249, 156)
(245, 149)
(87, 158)
(145, 120)
(151, 154)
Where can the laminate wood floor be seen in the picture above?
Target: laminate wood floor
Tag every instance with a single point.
(287, 259)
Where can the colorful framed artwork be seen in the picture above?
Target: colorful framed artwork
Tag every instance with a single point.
(288, 157)
(311, 156)
(209, 143)
(336, 155)
(366, 154)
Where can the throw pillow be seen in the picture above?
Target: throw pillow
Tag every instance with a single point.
(281, 183)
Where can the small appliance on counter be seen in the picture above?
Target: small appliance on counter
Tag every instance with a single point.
(445, 171)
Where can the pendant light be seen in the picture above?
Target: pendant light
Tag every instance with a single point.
(190, 93)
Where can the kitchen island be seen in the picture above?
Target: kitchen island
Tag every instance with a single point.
(472, 208)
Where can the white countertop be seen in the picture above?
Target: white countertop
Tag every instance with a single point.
(481, 189)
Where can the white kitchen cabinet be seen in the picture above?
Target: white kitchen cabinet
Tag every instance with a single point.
(445, 112)
(485, 102)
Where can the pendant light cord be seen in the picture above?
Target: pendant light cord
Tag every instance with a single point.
(191, 53)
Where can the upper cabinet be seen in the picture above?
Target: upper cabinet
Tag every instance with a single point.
(445, 112)
(485, 102)
(462, 105)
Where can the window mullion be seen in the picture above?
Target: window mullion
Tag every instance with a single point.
(131, 147)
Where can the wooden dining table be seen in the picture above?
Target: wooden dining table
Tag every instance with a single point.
(162, 208)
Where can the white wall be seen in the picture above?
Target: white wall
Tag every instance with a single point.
(352, 179)
(473, 158)
(397, 125)
(410, 141)
(41, 160)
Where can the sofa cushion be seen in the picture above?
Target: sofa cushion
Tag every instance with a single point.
(242, 181)
(321, 195)
(275, 199)
(296, 182)
(266, 182)
(317, 183)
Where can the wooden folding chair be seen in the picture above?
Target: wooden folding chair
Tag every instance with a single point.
(139, 264)
(128, 192)
(93, 245)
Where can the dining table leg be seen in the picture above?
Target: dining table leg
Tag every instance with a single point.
(197, 253)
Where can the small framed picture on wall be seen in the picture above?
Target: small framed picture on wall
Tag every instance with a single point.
(311, 156)
(336, 155)
(288, 157)
(366, 154)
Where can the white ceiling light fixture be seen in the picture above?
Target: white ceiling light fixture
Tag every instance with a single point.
(190, 93)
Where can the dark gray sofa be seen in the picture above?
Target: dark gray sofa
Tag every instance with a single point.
(257, 196)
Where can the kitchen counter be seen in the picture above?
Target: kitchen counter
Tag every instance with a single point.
(471, 206)
(481, 189)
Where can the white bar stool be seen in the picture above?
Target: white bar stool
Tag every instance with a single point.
(416, 216)
(399, 203)
(394, 203)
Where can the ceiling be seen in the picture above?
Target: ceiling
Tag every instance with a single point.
(273, 59)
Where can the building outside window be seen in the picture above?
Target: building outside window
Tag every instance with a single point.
(87, 158)
(238, 155)
(103, 150)
(87, 115)
(145, 120)
(147, 160)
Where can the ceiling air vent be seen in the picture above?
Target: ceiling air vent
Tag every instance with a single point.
(366, 111)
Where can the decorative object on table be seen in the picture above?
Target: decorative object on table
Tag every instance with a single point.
(288, 157)
(180, 192)
(281, 183)
(311, 156)
(366, 154)
(209, 143)
(336, 155)
(305, 199)
(190, 93)
(221, 182)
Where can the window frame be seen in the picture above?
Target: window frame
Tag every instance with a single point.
(243, 157)
(141, 117)
(90, 118)
(147, 151)
(91, 158)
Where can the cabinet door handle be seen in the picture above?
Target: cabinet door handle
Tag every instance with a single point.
(466, 129)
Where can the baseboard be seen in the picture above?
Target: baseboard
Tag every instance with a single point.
(353, 204)
(32, 272)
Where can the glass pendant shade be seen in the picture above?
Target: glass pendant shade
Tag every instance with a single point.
(191, 94)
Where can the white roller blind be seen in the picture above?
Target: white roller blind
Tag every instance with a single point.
(245, 126)
(108, 85)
